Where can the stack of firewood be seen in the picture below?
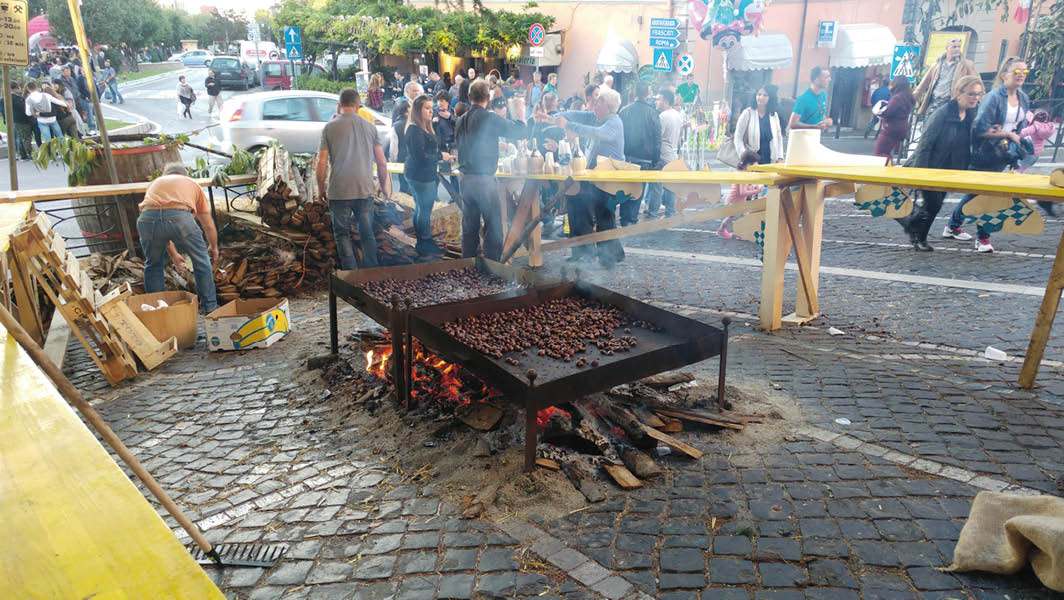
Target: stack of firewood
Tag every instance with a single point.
(290, 202)
(267, 267)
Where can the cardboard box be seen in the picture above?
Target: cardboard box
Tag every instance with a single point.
(244, 324)
(180, 319)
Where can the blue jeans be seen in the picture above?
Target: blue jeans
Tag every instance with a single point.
(90, 120)
(50, 130)
(112, 91)
(958, 217)
(658, 195)
(480, 200)
(157, 228)
(344, 214)
(425, 194)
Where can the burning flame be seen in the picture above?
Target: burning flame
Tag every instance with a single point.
(433, 377)
(543, 416)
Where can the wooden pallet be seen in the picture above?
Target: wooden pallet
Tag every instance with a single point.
(57, 271)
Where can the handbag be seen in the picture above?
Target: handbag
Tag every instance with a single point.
(727, 153)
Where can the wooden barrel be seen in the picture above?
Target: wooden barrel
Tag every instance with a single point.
(135, 162)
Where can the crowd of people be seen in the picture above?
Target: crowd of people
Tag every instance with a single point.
(56, 101)
(469, 120)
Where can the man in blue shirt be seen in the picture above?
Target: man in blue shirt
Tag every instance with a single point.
(811, 108)
(605, 131)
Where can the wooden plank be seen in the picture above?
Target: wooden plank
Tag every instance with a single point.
(623, 477)
(58, 338)
(717, 212)
(25, 291)
(777, 247)
(136, 335)
(790, 217)
(812, 209)
(664, 177)
(77, 526)
(92, 191)
(698, 419)
(1043, 324)
(674, 443)
(839, 188)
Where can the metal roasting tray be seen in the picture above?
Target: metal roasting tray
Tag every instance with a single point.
(348, 284)
(680, 342)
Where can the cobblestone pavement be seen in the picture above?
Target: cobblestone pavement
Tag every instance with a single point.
(865, 510)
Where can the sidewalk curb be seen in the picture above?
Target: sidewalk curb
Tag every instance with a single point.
(138, 82)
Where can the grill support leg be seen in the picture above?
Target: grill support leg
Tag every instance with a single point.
(408, 356)
(723, 364)
(397, 351)
(531, 426)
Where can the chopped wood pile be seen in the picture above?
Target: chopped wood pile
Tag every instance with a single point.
(256, 269)
(109, 272)
(290, 203)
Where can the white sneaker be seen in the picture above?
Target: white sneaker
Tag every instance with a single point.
(983, 245)
(957, 234)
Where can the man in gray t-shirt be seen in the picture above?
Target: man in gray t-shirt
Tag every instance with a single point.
(350, 147)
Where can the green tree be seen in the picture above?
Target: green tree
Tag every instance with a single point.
(1045, 50)
(115, 23)
(223, 26)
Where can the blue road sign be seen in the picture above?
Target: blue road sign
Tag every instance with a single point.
(293, 43)
(685, 64)
(905, 61)
(664, 32)
(669, 43)
(662, 59)
(664, 23)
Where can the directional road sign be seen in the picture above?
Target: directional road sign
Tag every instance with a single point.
(293, 43)
(669, 43)
(14, 49)
(685, 64)
(537, 34)
(664, 32)
(253, 32)
(664, 23)
(662, 59)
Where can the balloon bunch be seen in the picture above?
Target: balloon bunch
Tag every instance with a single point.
(725, 21)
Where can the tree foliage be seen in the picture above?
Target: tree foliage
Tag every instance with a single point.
(136, 23)
(1045, 49)
(391, 28)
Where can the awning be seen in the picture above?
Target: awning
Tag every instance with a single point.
(769, 50)
(552, 52)
(618, 55)
(863, 45)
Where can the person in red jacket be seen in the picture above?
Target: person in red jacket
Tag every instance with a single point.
(895, 117)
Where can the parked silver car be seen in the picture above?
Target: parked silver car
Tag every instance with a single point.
(294, 118)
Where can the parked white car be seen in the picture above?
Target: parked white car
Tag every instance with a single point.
(294, 118)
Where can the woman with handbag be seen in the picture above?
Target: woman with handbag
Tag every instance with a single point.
(996, 141)
(186, 95)
(895, 117)
(757, 130)
(946, 143)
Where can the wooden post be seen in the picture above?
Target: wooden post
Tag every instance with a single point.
(8, 110)
(790, 216)
(1043, 325)
(812, 209)
(109, 159)
(777, 247)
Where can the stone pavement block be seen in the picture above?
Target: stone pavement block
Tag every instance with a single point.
(458, 560)
(682, 560)
(244, 577)
(725, 593)
(831, 573)
(457, 587)
(667, 581)
(730, 570)
(375, 567)
(329, 572)
(333, 591)
(612, 587)
(780, 574)
(418, 562)
(589, 573)
(732, 544)
(289, 573)
(926, 578)
(778, 549)
(566, 560)
(419, 588)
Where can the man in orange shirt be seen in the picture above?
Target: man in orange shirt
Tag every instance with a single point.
(172, 206)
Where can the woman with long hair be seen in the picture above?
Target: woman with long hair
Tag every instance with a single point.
(758, 128)
(945, 143)
(375, 93)
(996, 142)
(422, 157)
(186, 95)
(895, 117)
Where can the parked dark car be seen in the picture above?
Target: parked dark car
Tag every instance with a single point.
(231, 72)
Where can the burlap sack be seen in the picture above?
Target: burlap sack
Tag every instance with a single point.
(1005, 531)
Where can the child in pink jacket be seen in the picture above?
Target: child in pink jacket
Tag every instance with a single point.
(740, 192)
(1040, 129)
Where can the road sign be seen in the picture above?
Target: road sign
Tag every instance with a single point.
(253, 32)
(537, 34)
(662, 59)
(664, 23)
(669, 43)
(664, 32)
(685, 64)
(904, 63)
(827, 34)
(14, 43)
(293, 43)
(536, 51)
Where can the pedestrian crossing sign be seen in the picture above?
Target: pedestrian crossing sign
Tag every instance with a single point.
(904, 63)
(663, 59)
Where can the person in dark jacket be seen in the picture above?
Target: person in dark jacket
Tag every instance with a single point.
(422, 155)
(945, 143)
(895, 117)
(22, 132)
(399, 118)
(642, 143)
(477, 138)
(443, 121)
(1001, 116)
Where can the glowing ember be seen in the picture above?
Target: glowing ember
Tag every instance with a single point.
(543, 416)
(433, 378)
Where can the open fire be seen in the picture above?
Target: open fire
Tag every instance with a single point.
(435, 379)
